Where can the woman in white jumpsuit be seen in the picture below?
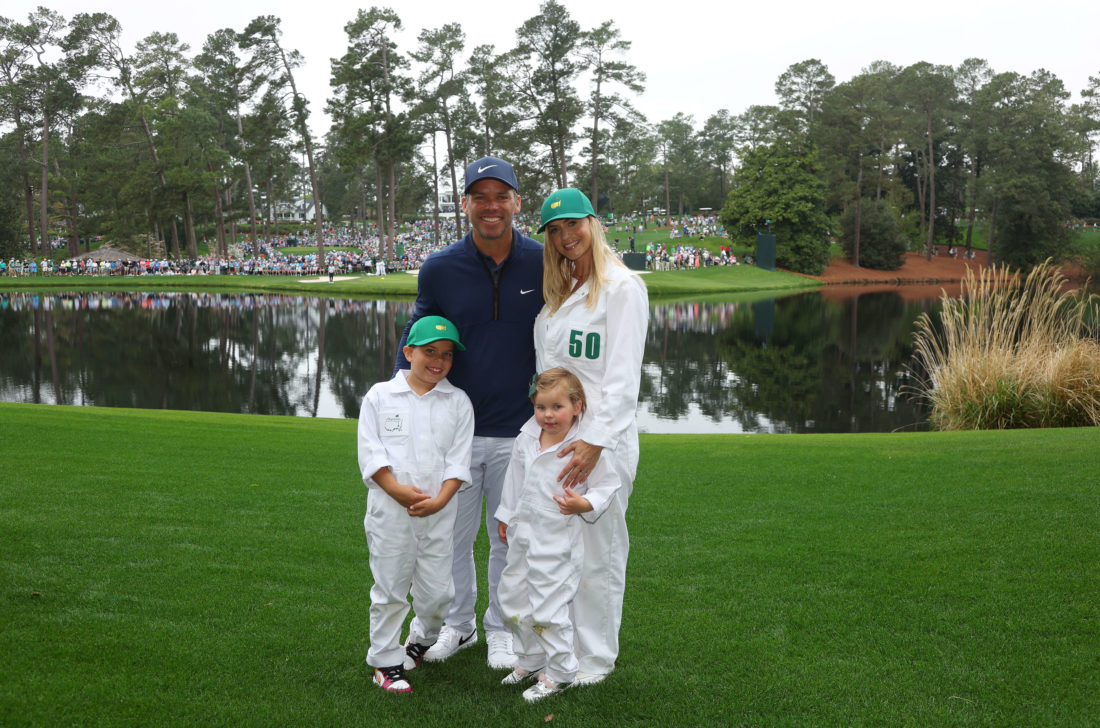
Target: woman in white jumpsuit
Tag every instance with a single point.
(594, 324)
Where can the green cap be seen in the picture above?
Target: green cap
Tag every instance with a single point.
(433, 328)
(568, 202)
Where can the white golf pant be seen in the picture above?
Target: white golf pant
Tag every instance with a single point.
(407, 554)
(598, 606)
(537, 586)
(487, 467)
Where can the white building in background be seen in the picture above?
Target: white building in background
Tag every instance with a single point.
(297, 211)
(447, 200)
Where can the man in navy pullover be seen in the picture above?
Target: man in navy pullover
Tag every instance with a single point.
(489, 284)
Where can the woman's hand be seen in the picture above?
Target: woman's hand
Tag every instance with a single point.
(582, 463)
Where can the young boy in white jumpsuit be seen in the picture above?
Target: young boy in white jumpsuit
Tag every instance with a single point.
(414, 440)
(539, 521)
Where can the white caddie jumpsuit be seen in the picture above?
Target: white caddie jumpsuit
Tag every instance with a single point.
(603, 347)
(424, 440)
(545, 551)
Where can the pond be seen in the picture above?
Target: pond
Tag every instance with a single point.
(832, 361)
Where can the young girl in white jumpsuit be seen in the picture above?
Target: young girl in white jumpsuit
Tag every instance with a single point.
(415, 440)
(540, 523)
(594, 324)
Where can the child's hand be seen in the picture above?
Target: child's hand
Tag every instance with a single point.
(426, 507)
(408, 495)
(502, 531)
(571, 504)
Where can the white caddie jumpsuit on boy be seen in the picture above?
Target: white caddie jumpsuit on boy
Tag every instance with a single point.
(545, 551)
(603, 347)
(425, 440)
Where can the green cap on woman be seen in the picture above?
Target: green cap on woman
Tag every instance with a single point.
(569, 203)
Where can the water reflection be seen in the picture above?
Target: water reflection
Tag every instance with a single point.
(797, 364)
(803, 363)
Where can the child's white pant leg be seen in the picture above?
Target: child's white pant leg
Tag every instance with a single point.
(432, 585)
(554, 560)
(515, 604)
(392, 547)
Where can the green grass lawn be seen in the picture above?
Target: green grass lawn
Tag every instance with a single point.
(729, 279)
(179, 568)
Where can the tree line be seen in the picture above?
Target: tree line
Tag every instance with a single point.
(173, 144)
(898, 158)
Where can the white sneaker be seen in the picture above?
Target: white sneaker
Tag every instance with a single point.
(519, 675)
(450, 641)
(589, 678)
(543, 687)
(414, 653)
(392, 679)
(501, 656)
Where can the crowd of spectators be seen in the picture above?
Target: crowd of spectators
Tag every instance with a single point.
(351, 253)
(354, 250)
(686, 257)
(128, 300)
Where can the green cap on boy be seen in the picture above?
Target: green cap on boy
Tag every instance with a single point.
(433, 328)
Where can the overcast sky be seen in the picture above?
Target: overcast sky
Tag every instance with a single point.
(699, 55)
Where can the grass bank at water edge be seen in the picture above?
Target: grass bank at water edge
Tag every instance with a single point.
(729, 279)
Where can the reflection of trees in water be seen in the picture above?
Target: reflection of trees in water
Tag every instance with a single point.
(777, 367)
(361, 351)
(798, 364)
(214, 352)
(682, 366)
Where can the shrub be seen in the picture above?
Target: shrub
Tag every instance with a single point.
(881, 243)
(1011, 353)
(1087, 254)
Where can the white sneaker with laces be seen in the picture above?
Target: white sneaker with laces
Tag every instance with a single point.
(450, 641)
(543, 687)
(501, 656)
(392, 679)
(518, 675)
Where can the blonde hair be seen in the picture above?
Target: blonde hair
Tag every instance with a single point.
(561, 377)
(557, 277)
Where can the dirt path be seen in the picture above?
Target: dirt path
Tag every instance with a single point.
(916, 270)
(917, 279)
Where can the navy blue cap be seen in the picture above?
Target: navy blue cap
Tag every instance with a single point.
(490, 168)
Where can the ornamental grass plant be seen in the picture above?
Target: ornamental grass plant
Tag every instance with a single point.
(1011, 352)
